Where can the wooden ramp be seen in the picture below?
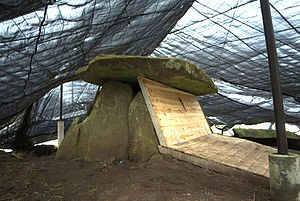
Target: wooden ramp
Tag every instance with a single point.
(184, 133)
(223, 154)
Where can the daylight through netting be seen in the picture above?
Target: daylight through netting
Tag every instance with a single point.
(43, 44)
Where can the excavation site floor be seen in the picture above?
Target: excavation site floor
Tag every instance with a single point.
(162, 178)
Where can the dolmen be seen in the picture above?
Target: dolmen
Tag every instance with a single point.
(118, 125)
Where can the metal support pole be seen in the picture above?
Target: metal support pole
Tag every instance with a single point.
(275, 78)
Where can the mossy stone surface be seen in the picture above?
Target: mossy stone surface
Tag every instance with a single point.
(69, 146)
(284, 177)
(104, 132)
(262, 133)
(143, 142)
(174, 72)
(107, 123)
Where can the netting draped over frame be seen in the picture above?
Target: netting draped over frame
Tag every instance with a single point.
(42, 49)
(42, 45)
(226, 39)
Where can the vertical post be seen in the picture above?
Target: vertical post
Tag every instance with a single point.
(61, 102)
(72, 93)
(60, 123)
(275, 78)
(284, 177)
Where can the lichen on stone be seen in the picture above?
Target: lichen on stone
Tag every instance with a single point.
(104, 132)
(173, 72)
(143, 142)
(262, 133)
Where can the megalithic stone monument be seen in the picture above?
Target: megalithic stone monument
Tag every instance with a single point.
(119, 125)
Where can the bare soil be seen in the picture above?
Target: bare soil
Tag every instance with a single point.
(162, 178)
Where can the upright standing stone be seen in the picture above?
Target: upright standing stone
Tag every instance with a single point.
(107, 124)
(104, 132)
(69, 147)
(143, 142)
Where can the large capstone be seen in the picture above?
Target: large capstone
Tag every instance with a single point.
(143, 142)
(104, 132)
(173, 72)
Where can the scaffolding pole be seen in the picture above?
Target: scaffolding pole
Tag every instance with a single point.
(275, 78)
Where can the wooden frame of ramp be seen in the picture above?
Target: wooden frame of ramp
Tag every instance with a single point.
(184, 133)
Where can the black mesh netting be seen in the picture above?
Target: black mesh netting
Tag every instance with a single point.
(226, 39)
(43, 44)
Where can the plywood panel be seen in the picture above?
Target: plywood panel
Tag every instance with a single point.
(221, 153)
(176, 115)
(183, 132)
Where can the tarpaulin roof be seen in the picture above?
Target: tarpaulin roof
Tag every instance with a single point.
(43, 43)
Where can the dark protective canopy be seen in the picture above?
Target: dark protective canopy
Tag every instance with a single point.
(43, 43)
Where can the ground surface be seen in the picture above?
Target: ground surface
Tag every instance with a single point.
(162, 178)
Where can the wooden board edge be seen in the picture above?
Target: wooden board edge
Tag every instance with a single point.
(151, 111)
(168, 88)
(209, 164)
(207, 125)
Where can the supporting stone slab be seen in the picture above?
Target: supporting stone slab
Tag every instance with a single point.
(60, 132)
(103, 134)
(284, 177)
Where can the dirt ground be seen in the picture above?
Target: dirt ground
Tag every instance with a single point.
(162, 178)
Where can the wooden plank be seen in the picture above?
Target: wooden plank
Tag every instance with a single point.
(176, 112)
(177, 116)
(210, 164)
(184, 130)
(183, 121)
(163, 87)
(151, 112)
(179, 138)
(172, 98)
(184, 133)
(229, 151)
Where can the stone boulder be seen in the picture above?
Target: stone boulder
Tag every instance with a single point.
(267, 137)
(69, 148)
(143, 141)
(104, 132)
(173, 72)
